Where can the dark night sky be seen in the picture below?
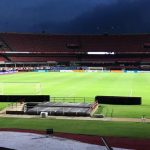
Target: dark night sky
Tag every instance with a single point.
(75, 16)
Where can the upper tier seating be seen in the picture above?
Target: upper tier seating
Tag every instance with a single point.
(41, 59)
(2, 59)
(35, 43)
(3, 46)
(78, 43)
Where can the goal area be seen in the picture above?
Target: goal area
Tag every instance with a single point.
(20, 88)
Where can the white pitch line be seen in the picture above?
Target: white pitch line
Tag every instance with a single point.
(131, 92)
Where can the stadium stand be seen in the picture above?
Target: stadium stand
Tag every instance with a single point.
(40, 59)
(3, 46)
(32, 43)
(66, 43)
(2, 59)
(129, 51)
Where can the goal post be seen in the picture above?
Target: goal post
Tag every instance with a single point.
(20, 88)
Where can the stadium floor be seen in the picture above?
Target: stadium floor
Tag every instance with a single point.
(32, 141)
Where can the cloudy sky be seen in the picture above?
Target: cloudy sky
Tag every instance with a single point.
(75, 16)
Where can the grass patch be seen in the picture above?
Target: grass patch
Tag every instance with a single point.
(3, 105)
(119, 129)
(86, 84)
(124, 111)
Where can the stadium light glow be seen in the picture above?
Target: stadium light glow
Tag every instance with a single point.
(100, 53)
(12, 52)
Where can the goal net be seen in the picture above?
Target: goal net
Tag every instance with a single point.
(20, 88)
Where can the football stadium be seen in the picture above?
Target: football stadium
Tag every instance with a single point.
(89, 88)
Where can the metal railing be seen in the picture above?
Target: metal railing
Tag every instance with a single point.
(72, 99)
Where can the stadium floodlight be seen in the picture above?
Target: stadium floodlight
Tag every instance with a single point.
(100, 53)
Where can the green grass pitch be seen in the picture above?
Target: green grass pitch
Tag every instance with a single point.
(84, 84)
(92, 127)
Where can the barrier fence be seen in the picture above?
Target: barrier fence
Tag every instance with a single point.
(72, 99)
